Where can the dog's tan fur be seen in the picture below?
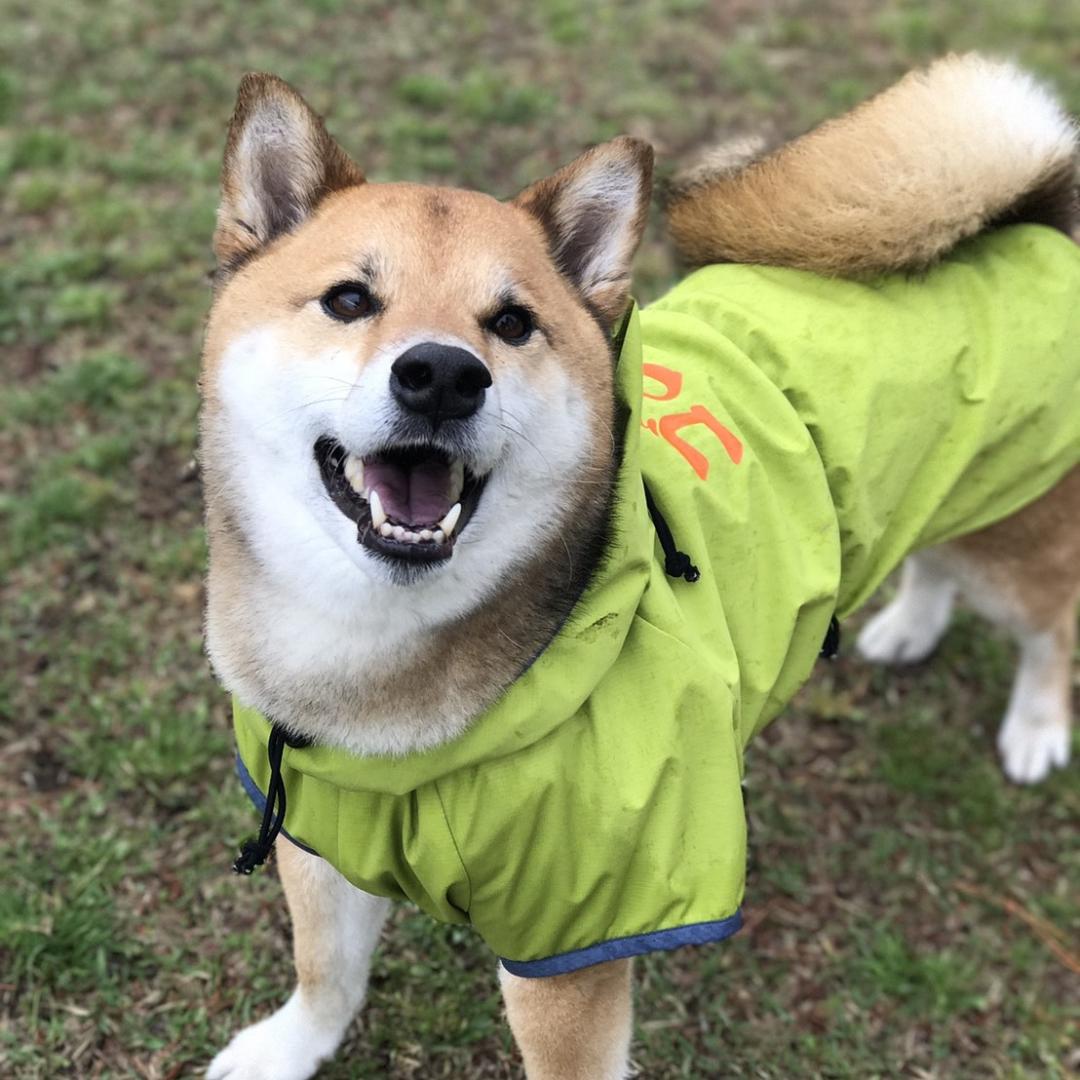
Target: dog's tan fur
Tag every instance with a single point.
(1033, 557)
(858, 196)
(895, 184)
(572, 1027)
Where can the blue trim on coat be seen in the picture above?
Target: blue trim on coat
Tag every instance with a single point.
(635, 945)
(256, 795)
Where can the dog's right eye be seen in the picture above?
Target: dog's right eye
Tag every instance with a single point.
(349, 301)
(513, 324)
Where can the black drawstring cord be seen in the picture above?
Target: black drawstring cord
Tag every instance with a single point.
(676, 563)
(254, 853)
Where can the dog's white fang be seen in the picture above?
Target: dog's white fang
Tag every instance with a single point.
(450, 521)
(378, 514)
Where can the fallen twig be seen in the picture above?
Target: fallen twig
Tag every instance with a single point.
(1053, 938)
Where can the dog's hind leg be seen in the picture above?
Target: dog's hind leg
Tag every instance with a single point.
(1034, 736)
(335, 929)
(1022, 573)
(574, 1026)
(909, 629)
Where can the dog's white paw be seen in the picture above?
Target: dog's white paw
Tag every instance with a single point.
(1031, 748)
(284, 1046)
(902, 633)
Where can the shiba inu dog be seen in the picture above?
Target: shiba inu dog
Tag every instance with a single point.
(503, 577)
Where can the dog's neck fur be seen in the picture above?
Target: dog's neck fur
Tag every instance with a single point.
(383, 685)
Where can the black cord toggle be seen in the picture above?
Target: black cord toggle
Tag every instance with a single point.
(254, 852)
(676, 563)
(679, 565)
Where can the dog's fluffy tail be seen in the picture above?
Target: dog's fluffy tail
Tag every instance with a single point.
(895, 184)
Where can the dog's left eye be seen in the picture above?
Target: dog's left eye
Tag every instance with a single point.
(513, 325)
(349, 301)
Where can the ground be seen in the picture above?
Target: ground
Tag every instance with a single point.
(909, 912)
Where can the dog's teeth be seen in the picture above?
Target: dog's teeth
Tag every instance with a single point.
(439, 536)
(426, 534)
(386, 529)
(457, 479)
(354, 473)
(447, 524)
(399, 532)
(378, 514)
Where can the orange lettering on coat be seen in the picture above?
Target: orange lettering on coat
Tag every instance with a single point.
(669, 426)
(698, 414)
(670, 380)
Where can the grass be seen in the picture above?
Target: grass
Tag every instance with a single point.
(127, 948)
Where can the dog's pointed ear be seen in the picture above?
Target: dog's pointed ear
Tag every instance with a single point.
(279, 164)
(593, 212)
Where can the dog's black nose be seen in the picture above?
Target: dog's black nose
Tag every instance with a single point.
(441, 382)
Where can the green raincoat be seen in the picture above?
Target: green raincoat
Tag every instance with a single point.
(800, 436)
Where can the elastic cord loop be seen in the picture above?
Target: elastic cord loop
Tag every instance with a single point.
(254, 852)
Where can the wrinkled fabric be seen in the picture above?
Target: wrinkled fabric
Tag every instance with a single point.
(800, 435)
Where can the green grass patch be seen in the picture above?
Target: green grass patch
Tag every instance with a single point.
(485, 95)
(101, 382)
(927, 760)
(56, 510)
(59, 926)
(933, 985)
(424, 91)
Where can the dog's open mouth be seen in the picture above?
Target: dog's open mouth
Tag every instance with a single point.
(409, 503)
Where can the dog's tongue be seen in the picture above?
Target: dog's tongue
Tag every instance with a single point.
(411, 494)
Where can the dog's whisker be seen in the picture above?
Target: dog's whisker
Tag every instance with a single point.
(316, 401)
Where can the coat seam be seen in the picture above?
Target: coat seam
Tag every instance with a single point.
(457, 848)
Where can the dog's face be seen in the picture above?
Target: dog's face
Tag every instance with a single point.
(408, 388)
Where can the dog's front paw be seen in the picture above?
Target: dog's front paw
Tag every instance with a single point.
(1031, 747)
(901, 634)
(285, 1046)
